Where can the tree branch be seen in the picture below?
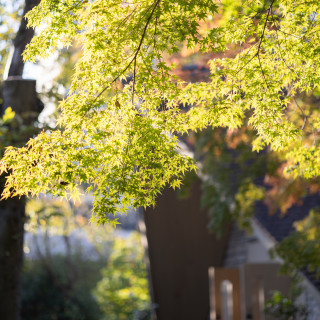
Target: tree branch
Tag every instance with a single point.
(136, 52)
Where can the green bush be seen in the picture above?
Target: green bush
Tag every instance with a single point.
(282, 308)
(49, 295)
(122, 293)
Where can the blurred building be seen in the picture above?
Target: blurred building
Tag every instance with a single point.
(194, 275)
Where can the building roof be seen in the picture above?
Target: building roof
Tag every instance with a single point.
(278, 225)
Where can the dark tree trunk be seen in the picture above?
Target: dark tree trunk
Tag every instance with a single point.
(21, 96)
(23, 37)
(12, 213)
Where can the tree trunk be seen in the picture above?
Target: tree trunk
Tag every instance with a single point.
(21, 96)
(12, 213)
(23, 37)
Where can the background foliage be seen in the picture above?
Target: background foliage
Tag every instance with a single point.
(108, 283)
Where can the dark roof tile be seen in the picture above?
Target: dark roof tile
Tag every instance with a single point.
(279, 226)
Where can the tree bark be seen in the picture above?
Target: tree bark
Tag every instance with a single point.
(12, 214)
(21, 96)
(23, 37)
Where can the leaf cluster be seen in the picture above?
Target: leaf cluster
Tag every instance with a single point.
(126, 107)
(281, 307)
(301, 248)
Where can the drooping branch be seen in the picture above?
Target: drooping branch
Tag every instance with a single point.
(136, 52)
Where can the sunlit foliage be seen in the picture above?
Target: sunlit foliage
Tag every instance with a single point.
(124, 110)
(302, 247)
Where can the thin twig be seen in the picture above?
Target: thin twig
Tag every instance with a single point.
(155, 31)
(134, 79)
(303, 114)
(125, 19)
(263, 75)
